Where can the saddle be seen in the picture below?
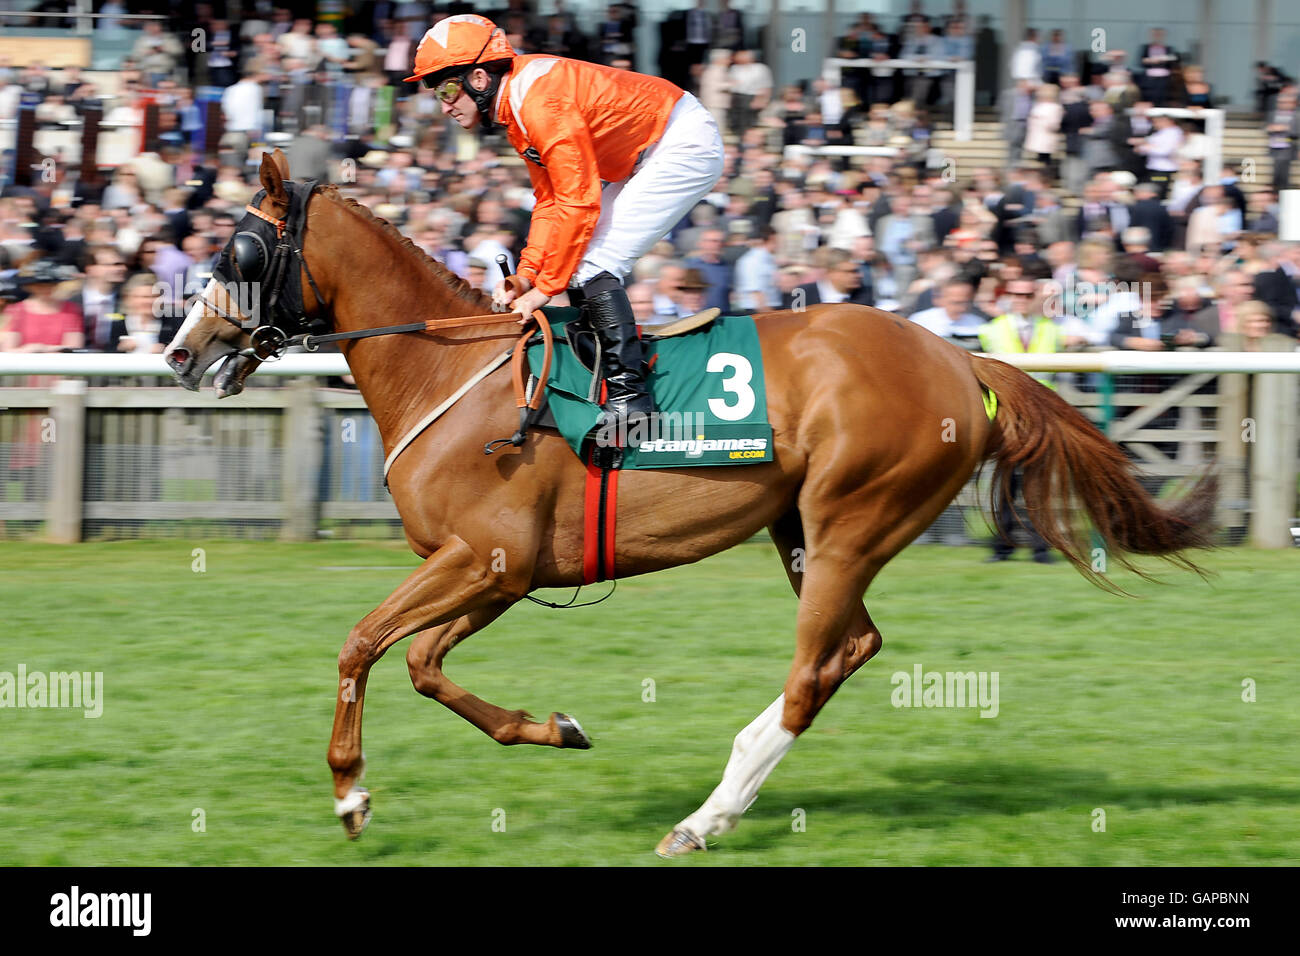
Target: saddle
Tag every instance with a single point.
(582, 341)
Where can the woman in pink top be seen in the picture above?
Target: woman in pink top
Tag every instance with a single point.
(38, 324)
(41, 323)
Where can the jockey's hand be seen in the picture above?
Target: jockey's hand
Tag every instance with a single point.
(528, 302)
(503, 294)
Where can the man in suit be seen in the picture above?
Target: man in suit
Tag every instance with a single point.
(559, 38)
(699, 34)
(1017, 204)
(1283, 132)
(1263, 212)
(178, 217)
(1276, 287)
(954, 317)
(1148, 211)
(901, 235)
(1076, 117)
(195, 173)
(673, 63)
(1141, 125)
(864, 254)
(1015, 105)
(1158, 62)
(309, 154)
(708, 258)
(1100, 213)
(1105, 138)
(945, 211)
(988, 53)
(841, 281)
(731, 28)
(1229, 180)
(98, 295)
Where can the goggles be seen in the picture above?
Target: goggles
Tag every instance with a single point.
(447, 90)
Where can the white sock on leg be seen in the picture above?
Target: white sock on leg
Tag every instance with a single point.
(756, 752)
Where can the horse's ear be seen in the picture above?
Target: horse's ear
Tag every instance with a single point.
(272, 177)
(282, 161)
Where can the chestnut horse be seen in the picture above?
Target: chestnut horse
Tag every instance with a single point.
(877, 424)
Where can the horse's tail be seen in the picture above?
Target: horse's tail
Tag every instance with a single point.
(1070, 468)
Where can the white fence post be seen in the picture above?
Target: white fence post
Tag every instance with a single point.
(1273, 461)
(1231, 450)
(303, 455)
(66, 431)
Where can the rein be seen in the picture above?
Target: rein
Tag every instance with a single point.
(268, 342)
(312, 342)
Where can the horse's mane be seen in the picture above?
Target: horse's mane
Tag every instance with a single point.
(454, 283)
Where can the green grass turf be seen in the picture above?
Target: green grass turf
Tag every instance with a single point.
(219, 694)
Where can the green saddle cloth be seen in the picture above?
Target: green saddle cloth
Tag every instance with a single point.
(707, 386)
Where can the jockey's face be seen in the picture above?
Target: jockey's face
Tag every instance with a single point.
(462, 108)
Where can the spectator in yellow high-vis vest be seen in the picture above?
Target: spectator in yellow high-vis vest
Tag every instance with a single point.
(1023, 327)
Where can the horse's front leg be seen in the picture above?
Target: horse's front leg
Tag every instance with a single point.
(452, 582)
(509, 727)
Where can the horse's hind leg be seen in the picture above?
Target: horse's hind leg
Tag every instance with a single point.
(832, 618)
(424, 661)
(861, 640)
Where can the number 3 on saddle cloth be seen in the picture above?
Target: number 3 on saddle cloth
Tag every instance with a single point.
(707, 386)
(708, 389)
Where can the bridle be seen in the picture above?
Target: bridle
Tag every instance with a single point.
(262, 253)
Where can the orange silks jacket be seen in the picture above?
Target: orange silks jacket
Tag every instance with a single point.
(577, 124)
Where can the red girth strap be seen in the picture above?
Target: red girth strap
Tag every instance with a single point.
(599, 508)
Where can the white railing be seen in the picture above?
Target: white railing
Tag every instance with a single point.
(963, 95)
(1255, 432)
(799, 150)
(1214, 125)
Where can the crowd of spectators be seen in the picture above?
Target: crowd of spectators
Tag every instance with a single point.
(1101, 221)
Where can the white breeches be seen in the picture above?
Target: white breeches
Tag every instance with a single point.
(672, 176)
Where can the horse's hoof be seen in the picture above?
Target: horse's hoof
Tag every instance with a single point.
(679, 843)
(354, 811)
(572, 736)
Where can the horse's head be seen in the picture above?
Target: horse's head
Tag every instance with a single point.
(255, 289)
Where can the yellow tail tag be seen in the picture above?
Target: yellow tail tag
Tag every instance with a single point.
(990, 402)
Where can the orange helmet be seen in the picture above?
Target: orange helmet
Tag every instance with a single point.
(462, 40)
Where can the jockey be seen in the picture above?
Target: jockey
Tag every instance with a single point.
(616, 160)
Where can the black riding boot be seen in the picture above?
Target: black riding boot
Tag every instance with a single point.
(610, 314)
(578, 299)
